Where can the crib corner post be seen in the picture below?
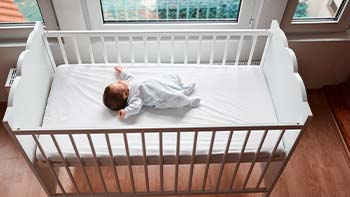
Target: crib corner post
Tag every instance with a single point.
(271, 174)
(30, 163)
(47, 178)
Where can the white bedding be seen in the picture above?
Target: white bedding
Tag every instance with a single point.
(229, 95)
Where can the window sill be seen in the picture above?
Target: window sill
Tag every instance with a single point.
(317, 37)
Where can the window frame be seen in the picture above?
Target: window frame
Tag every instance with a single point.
(316, 25)
(95, 20)
(19, 31)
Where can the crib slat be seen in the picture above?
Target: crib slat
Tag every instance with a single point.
(76, 49)
(240, 159)
(104, 50)
(177, 160)
(267, 44)
(113, 162)
(158, 48)
(239, 49)
(225, 50)
(49, 51)
(193, 156)
(270, 159)
(116, 39)
(172, 50)
(186, 49)
(161, 160)
(126, 144)
(64, 162)
(132, 50)
(96, 162)
(254, 160)
(212, 50)
(80, 162)
(252, 50)
(199, 50)
(63, 51)
(208, 160)
(49, 164)
(145, 160)
(92, 58)
(145, 51)
(228, 143)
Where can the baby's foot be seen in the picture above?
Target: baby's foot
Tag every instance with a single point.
(195, 102)
(189, 89)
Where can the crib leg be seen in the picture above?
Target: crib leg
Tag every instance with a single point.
(47, 177)
(266, 194)
(271, 173)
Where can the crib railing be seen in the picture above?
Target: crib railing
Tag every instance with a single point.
(271, 162)
(155, 46)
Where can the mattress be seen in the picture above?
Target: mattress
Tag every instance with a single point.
(229, 96)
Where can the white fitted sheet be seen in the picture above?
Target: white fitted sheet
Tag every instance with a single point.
(229, 95)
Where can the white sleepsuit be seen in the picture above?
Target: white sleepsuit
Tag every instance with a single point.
(165, 92)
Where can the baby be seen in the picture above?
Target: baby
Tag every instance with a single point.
(128, 96)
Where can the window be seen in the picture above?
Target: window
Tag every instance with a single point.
(20, 11)
(316, 16)
(169, 10)
(17, 18)
(318, 9)
(170, 14)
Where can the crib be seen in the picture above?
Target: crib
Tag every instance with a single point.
(242, 147)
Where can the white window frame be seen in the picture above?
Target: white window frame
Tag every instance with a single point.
(314, 26)
(16, 31)
(95, 20)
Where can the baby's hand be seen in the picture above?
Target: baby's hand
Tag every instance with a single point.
(121, 113)
(118, 69)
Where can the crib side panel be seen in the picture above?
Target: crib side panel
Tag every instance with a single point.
(285, 84)
(30, 89)
(29, 92)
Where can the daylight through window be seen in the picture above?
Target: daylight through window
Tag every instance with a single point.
(169, 10)
(19, 11)
(318, 9)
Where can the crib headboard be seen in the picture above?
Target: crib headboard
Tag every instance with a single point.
(30, 89)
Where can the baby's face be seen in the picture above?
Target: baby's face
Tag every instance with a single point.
(121, 86)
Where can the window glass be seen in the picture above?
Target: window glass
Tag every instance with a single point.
(19, 11)
(318, 9)
(169, 10)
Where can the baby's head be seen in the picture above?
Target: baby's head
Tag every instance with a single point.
(116, 95)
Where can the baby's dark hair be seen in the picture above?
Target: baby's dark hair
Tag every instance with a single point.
(114, 100)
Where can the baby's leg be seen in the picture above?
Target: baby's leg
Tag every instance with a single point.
(178, 101)
(187, 89)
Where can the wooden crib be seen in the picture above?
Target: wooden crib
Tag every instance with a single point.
(194, 163)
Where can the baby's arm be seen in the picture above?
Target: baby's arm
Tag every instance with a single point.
(133, 108)
(123, 75)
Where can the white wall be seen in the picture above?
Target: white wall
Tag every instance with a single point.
(322, 62)
(8, 59)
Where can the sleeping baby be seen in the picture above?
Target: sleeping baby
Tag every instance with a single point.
(129, 95)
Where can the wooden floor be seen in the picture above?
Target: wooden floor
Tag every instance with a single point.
(338, 97)
(317, 168)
